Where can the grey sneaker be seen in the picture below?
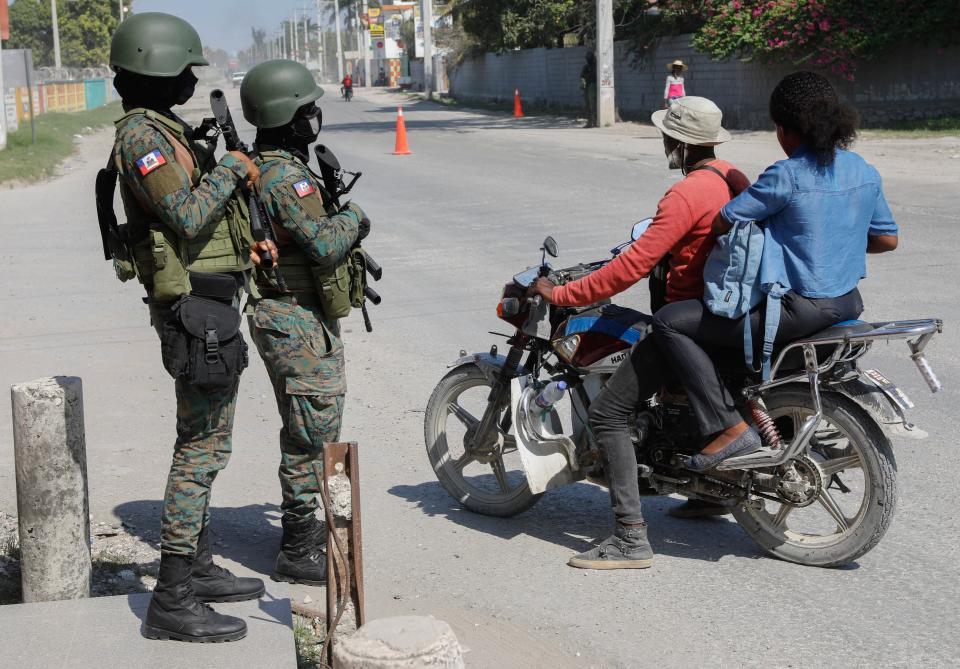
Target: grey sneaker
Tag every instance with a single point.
(627, 548)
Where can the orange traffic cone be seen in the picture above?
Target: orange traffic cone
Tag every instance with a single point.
(517, 107)
(401, 148)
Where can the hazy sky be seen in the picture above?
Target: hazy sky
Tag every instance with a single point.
(226, 24)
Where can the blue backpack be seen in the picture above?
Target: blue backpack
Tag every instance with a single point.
(732, 287)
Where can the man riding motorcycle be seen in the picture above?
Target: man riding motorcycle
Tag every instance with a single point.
(691, 129)
(347, 86)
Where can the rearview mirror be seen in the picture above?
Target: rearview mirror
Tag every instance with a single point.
(640, 228)
(550, 247)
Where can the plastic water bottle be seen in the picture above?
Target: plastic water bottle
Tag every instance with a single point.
(550, 395)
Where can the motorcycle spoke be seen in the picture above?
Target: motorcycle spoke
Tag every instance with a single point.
(500, 472)
(460, 463)
(464, 416)
(780, 519)
(828, 503)
(837, 465)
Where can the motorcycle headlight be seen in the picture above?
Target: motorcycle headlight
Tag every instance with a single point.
(567, 347)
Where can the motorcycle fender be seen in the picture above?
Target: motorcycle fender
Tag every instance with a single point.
(883, 403)
(490, 365)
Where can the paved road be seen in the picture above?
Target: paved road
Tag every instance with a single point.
(452, 222)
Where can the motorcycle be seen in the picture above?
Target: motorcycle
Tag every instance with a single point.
(346, 92)
(821, 491)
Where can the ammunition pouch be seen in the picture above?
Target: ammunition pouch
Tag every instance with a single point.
(201, 344)
(334, 289)
(343, 289)
(215, 285)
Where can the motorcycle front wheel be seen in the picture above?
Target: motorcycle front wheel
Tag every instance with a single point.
(852, 483)
(488, 480)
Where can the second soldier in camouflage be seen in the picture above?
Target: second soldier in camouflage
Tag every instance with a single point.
(296, 330)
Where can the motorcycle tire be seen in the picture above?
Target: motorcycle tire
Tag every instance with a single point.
(479, 499)
(865, 448)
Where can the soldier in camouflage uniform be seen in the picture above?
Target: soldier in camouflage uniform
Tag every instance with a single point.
(296, 330)
(186, 227)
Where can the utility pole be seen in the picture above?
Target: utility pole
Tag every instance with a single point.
(336, 23)
(306, 37)
(120, 2)
(296, 45)
(366, 45)
(427, 17)
(56, 34)
(3, 104)
(606, 110)
(321, 52)
(286, 51)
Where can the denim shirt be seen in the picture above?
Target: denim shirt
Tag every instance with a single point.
(816, 221)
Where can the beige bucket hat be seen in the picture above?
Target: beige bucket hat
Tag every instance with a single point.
(692, 120)
(677, 63)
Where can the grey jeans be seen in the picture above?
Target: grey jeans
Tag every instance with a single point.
(636, 380)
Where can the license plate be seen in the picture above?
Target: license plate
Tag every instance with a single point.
(887, 386)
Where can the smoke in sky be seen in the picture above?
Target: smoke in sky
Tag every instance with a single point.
(226, 24)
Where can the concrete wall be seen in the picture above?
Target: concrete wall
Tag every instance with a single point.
(912, 82)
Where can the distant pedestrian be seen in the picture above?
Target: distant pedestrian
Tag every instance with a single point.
(588, 84)
(674, 87)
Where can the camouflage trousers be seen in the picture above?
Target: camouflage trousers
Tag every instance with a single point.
(202, 449)
(303, 354)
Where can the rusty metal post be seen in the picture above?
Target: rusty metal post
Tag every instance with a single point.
(340, 492)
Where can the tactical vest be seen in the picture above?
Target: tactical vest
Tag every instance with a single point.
(301, 274)
(162, 258)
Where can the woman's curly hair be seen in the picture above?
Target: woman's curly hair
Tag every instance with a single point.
(807, 104)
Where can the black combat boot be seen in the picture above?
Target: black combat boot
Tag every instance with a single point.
(216, 584)
(302, 557)
(176, 613)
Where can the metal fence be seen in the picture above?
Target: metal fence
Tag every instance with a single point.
(64, 89)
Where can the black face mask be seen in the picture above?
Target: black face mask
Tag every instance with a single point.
(158, 93)
(305, 127)
(184, 86)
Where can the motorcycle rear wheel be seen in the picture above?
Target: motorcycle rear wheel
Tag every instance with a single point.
(491, 486)
(857, 500)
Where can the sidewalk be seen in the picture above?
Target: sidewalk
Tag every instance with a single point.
(104, 632)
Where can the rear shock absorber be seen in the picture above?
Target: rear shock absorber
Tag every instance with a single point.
(765, 425)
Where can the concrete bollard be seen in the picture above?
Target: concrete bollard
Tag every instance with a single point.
(52, 501)
(403, 642)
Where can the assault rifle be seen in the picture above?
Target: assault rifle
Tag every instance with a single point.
(258, 213)
(332, 175)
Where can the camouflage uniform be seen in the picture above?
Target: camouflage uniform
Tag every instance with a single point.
(301, 347)
(168, 179)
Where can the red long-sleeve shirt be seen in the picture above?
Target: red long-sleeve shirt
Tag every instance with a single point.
(680, 228)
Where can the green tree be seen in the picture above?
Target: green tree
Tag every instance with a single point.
(30, 29)
(86, 27)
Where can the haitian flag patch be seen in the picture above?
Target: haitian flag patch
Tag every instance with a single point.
(150, 162)
(303, 188)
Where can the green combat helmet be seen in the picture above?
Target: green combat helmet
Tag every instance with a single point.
(156, 44)
(272, 92)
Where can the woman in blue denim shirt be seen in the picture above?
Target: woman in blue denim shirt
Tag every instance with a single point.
(824, 210)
